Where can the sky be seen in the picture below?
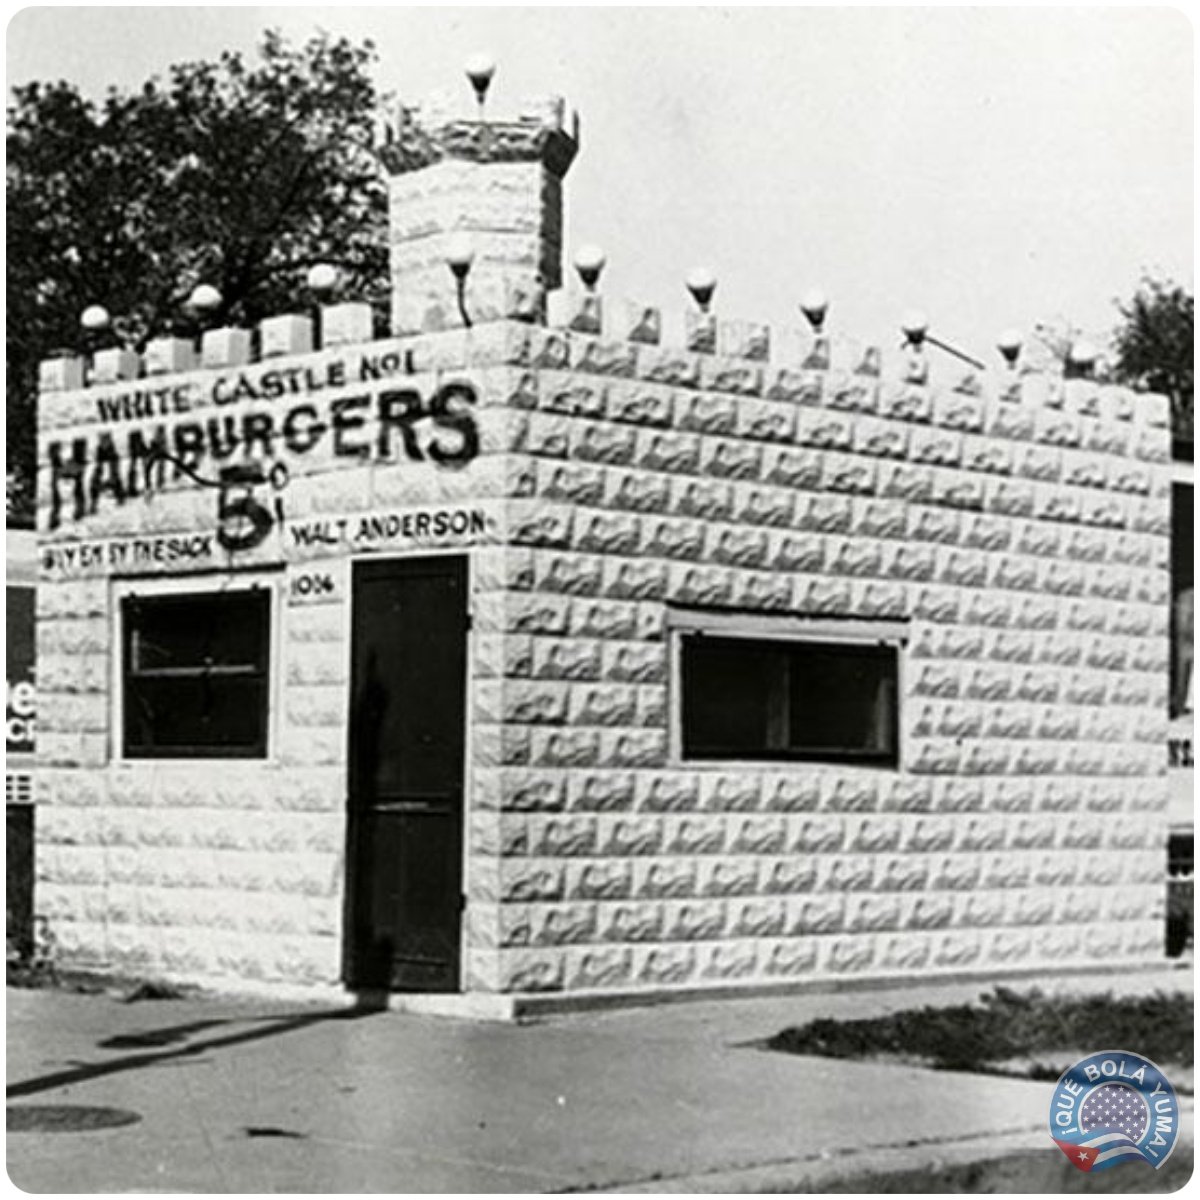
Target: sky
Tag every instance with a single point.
(991, 167)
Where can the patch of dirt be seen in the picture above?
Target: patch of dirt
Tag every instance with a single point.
(1007, 1032)
(129, 988)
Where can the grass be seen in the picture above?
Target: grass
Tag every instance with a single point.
(1013, 1033)
(1044, 1171)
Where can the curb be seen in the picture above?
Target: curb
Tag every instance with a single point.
(815, 1174)
(824, 1173)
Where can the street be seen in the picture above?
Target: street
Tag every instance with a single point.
(223, 1095)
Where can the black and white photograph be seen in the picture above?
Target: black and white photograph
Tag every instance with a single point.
(599, 599)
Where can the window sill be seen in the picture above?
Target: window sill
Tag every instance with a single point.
(775, 765)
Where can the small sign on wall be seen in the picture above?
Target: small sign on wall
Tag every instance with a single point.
(20, 704)
(1181, 775)
(465, 525)
(134, 555)
(318, 584)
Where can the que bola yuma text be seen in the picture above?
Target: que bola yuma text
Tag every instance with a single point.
(1064, 1114)
(392, 423)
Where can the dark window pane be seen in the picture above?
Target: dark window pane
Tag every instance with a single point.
(728, 688)
(196, 674)
(189, 714)
(842, 698)
(744, 698)
(180, 632)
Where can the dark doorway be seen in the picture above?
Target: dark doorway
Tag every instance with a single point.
(407, 727)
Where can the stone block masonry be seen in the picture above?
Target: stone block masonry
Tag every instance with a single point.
(1018, 531)
(1008, 530)
(501, 182)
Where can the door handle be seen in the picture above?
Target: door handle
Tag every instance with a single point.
(408, 806)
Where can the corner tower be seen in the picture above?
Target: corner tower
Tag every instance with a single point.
(485, 191)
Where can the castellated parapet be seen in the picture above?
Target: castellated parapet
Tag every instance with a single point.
(607, 480)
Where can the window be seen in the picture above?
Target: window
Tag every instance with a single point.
(801, 698)
(196, 675)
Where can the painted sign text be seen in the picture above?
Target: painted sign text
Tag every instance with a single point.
(392, 423)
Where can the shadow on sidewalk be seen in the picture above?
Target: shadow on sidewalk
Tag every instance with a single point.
(168, 1035)
(270, 1027)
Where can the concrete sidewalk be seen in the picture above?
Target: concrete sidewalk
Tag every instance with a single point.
(237, 1096)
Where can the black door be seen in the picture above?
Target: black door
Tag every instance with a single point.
(408, 699)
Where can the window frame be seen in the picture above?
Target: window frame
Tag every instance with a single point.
(784, 628)
(200, 588)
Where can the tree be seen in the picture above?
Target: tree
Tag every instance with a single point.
(234, 174)
(1154, 348)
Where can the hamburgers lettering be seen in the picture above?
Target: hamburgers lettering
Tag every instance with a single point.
(394, 424)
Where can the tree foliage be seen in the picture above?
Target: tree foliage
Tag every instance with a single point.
(242, 175)
(1154, 347)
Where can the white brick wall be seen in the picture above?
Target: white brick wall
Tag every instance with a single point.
(1022, 536)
